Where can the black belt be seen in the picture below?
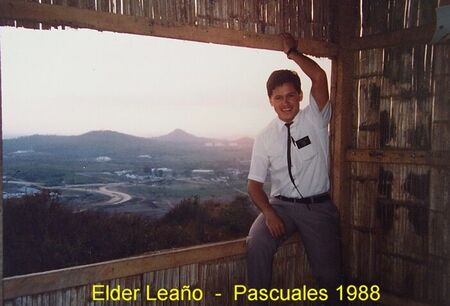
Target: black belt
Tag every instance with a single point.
(308, 200)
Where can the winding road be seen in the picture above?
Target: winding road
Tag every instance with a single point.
(116, 197)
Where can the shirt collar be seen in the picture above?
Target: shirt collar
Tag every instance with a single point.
(281, 123)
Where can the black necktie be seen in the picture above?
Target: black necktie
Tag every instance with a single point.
(289, 161)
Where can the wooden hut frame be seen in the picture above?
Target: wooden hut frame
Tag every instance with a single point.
(381, 59)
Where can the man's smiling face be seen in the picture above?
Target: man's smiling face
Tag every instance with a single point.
(286, 101)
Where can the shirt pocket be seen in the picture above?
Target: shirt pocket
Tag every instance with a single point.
(307, 151)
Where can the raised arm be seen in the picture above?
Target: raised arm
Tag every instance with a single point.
(319, 88)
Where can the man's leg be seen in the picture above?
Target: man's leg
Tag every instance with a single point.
(319, 229)
(261, 247)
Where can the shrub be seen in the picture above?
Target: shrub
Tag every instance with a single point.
(57, 237)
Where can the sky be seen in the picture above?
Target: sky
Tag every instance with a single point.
(69, 82)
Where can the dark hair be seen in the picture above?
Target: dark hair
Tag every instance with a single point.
(279, 77)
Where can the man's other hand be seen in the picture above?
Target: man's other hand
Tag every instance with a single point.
(274, 224)
(259, 197)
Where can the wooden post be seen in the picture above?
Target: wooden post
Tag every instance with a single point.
(342, 119)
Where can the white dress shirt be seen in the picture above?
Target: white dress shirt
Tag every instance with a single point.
(310, 164)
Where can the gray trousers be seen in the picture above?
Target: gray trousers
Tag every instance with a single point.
(318, 226)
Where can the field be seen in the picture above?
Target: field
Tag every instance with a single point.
(114, 172)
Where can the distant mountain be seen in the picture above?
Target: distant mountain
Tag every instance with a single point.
(90, 144)
(113, 144)
(111, 138)
(111, 135)
(179, 135)
(93, 137)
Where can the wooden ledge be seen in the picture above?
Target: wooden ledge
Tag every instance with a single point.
(25, 285)
(29, 284)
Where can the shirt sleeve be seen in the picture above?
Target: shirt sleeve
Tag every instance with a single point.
(321, 117)
(259, 162)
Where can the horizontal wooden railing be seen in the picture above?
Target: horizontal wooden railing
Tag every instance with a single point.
(214, 268)
(31, 284)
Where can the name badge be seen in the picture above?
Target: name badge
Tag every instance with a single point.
(303, 142)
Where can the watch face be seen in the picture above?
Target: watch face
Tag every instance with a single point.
(303, 142)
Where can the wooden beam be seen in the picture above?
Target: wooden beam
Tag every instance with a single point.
(434, 159)
(410, 37)
(341, 127)
(25, 285)
(83, 18)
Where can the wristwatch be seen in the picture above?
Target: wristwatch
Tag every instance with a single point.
(292, 49)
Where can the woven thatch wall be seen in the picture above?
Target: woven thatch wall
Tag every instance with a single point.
(383, 16)
(400, 210)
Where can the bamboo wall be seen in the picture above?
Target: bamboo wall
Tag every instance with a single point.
(383, 16)
(400, 210)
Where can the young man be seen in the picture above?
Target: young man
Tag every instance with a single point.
(294, 149)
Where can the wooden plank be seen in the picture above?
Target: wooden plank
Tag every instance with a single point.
(57, 15)
(409, 37)
(434, 159)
